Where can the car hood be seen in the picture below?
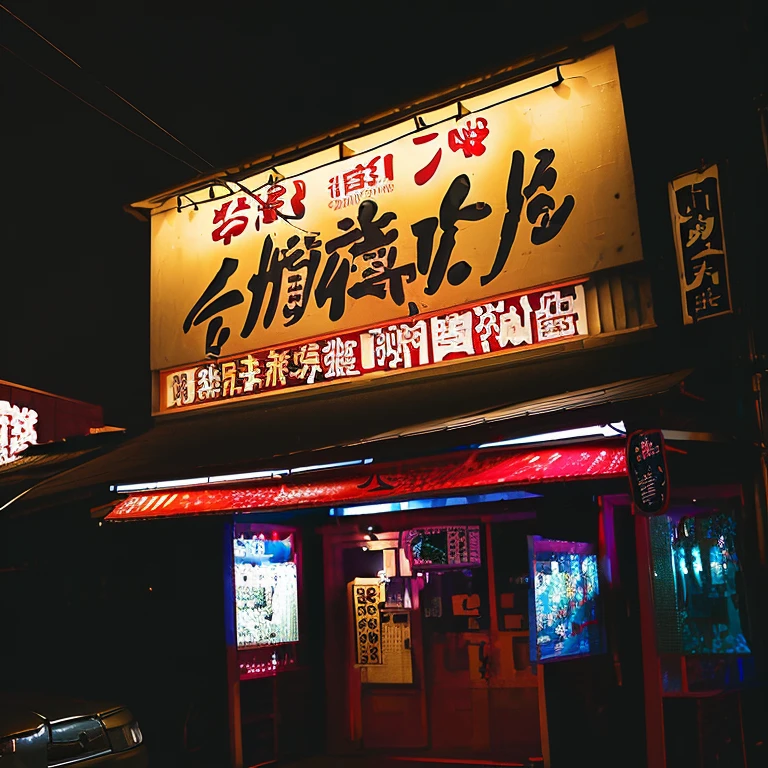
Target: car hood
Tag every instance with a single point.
(14, 722)
(34, 707)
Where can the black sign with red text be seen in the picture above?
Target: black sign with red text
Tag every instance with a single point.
(648, 474)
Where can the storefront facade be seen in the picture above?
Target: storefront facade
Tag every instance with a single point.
(446, 551)
(467, 234)
(415, 351)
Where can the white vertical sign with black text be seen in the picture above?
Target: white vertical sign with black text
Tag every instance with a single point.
(696, 209)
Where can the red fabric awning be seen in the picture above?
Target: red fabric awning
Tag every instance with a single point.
(374, 483)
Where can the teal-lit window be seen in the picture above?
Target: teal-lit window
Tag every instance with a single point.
(698, 583)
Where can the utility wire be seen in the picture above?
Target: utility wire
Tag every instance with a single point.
(104, 114)
(103, 85)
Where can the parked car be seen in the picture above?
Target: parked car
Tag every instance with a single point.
(44, 731)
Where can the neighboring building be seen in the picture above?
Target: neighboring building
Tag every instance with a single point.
(46, 587)
(401, 364)
(42, 435)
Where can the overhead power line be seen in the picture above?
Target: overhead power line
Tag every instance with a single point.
(104, 114)
(111, 90)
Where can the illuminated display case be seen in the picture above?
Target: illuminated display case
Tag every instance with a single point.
(269, 685)
(565, 602)
(266, 588)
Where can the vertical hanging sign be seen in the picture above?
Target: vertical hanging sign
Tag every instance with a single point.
(17, 431)
(648, 474)
(696, 209)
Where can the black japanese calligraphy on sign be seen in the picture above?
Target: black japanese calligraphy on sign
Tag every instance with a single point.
(297, 265)
(541, 209)
(700, 245)
(366, 606)
(215, 335)
(451, 211)
(648, 475)
(366, 250)
(377, 253)
(376, 483)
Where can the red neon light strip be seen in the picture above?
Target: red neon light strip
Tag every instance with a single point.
(374, 483)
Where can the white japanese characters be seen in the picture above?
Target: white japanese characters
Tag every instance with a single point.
(507, 323)
(17, 430)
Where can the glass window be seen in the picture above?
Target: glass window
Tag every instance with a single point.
(698, 583)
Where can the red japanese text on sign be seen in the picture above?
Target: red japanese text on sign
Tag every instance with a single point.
(349, 187)
(257, 208)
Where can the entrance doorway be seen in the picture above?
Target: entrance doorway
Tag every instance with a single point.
(481, 693)
(460, 628)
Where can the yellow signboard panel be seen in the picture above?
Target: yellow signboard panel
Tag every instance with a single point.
(525, 186)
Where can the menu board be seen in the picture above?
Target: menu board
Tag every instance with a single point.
(648, 476)
(454, 546)
(367, 599)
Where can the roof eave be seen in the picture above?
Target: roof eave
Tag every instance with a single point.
(519, 70)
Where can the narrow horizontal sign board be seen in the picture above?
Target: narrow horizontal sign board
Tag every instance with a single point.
(515, 322)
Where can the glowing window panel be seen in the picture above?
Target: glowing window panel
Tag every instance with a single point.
(566, 610)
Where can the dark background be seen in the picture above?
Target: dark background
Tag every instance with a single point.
(232, 81)
(235, 81)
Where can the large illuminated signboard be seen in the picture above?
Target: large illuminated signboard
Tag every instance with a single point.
(436, 239)
(266, 591)
(511, 323)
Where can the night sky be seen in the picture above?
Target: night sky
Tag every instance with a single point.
(232, 82)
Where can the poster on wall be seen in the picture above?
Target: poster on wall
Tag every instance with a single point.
(565, 600)
(367, 599)
(396, 666)
(444, 546)
(702, 261)
(266, 592)
(648, 474)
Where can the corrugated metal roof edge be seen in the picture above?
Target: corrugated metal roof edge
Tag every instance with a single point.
(37, 468)
(584, 399)
(621, 391)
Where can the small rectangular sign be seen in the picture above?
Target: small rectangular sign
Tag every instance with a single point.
(648, 475)
(367, 599)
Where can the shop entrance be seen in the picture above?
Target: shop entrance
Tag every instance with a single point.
(452, 633)
(482, 696)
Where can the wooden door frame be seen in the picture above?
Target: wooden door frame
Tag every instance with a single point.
(343, 686)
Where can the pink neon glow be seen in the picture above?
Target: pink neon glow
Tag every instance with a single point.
(373, 483)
